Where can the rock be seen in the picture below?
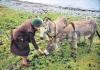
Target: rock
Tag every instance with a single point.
(1, 32)
(42, 8)
(1, 43)
(89, 65)
(98, 53)
(74, 55)
(9, 37)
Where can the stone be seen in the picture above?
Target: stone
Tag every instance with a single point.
(1, 43)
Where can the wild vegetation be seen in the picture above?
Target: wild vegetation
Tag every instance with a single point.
(57, 60)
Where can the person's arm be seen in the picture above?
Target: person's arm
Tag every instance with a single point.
(33, 40)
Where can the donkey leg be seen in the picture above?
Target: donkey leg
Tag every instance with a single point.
(90, 42)
(73, 45)
(79, 37)
(50, 47)
(56, 43)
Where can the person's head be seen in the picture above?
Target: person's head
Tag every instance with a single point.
(36, 22)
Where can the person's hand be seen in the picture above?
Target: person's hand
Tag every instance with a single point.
(40, 51)
(46, 52)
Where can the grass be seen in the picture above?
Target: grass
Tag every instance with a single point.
(57, 60)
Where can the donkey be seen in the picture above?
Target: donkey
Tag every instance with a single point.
(60, 29)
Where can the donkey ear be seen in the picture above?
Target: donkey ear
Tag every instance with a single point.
(46, 19)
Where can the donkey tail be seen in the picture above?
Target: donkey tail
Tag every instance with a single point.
(98, 33)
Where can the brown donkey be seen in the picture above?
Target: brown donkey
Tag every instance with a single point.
(60, 29)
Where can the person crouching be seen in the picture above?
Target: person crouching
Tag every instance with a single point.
(21, 36)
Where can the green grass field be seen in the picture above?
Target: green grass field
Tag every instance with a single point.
(57, 60)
